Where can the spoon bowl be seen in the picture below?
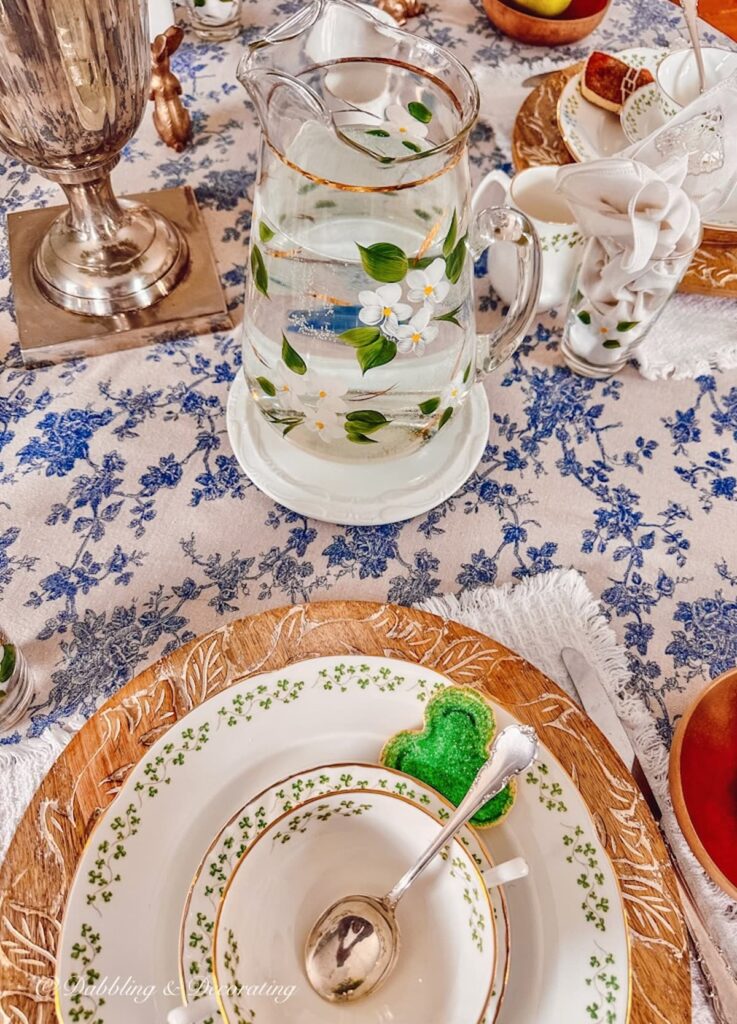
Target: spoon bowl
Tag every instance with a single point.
(352, 948)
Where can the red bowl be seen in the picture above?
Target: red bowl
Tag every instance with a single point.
(575, 23)
(703, 780)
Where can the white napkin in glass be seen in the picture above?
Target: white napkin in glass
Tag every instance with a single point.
(636, 217)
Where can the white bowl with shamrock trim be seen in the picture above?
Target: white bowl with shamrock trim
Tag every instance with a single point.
(359, 840)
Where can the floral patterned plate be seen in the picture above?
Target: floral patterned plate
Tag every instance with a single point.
(252, 820)
(590, 132)
(124, 906)
(355, 840)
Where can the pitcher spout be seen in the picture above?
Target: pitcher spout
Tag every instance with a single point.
(280, 99)
(339, 87)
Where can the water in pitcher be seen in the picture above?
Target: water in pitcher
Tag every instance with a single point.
(358, 328)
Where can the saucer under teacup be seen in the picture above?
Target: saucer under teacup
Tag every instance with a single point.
(246, 824)
(361, 493)
(356, 840)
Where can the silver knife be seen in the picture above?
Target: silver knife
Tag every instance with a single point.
(721, 985)
(534, 80)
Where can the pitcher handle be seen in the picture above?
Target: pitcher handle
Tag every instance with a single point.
(503, 224)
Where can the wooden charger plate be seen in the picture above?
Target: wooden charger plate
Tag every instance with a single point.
(536, 139)
(40, 865)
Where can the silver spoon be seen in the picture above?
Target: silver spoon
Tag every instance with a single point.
(354, 944)
(691, 13)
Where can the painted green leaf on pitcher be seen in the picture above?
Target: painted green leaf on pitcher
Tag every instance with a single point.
(455, 262)
(265, 233)
(447, 413)
(362, 422)
(384, 261)
(359, 336)
(372, 347)
(429, 406)
(450, 238)
(420, 112)
(260, 274)
(293, 359)
(379, 352)
(365, 421)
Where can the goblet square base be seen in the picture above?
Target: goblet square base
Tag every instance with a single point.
(49, 334)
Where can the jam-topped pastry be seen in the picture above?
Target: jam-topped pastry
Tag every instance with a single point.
(607, 81)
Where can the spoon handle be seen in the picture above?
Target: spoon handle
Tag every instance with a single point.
(514, 750)
(691, 13)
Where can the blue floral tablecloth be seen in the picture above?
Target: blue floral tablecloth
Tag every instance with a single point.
(127, 527)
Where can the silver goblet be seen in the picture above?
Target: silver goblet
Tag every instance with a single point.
(74, 80)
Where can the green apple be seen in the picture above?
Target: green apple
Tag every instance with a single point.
(544, 8)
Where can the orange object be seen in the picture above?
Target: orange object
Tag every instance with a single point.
(722, 14)
(703, 780)
(607, 81)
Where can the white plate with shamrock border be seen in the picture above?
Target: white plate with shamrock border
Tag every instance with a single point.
(252, 820)
(117, 958)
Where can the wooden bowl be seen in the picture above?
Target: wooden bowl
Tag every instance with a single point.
(576, 22)
(703, 779)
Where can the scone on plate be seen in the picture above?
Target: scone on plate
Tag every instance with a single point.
(607, 81)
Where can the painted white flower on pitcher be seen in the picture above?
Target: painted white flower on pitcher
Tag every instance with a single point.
(419, 332)
(324, 422)
(322, 403)
(428, 285)
(326, 393)
(401, 119)
(383, 307)
(284, 381)
(453, 392)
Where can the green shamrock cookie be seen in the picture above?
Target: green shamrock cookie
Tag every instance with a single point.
(448, 752)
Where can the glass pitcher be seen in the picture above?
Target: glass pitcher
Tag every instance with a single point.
(359, 338)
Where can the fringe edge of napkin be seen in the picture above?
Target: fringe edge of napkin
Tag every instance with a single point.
(22, 769)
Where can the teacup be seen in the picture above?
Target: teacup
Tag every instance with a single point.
(532, 191)
(677, 74)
